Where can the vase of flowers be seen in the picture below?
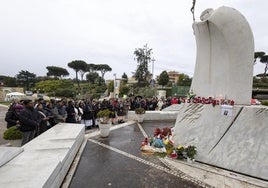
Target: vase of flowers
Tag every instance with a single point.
(140, 114)
(104, 122)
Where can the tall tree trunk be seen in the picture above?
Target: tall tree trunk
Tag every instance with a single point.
(76, 75)
(265, 69)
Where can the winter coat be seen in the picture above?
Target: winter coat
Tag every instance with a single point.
(29, 119)
(11, 118)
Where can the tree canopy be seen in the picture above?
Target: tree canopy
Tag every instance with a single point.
(57, 71)
(163, 78)
(91, 67)
(184, 80)
(25, 79)
(124, 89)
(78, 65)
(92, 77)
(124, 78)
(9, 81)
(62, 88)
(143, 58)
(258, 55)
(264, 59)
(103, 68)
(110, 87)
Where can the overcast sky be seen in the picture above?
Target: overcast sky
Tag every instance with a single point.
(35, 34)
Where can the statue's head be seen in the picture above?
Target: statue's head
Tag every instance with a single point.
(206, 14)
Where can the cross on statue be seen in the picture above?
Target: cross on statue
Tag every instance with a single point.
(192, 9)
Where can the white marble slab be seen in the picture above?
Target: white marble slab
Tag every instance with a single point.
(244, 148)
(8, 153)
(155, 115)
(46, 159)
(238, 142)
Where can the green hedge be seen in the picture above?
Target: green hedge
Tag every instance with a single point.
(265, 103)
(12, 133)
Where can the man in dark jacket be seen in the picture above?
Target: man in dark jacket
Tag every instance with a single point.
(29, 121)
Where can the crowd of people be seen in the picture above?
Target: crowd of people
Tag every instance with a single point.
(35, 117)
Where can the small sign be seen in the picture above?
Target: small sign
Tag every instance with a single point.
(226, 110)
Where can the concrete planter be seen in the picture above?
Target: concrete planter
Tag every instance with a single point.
(104, 129)
(15, 143)
(140, 117)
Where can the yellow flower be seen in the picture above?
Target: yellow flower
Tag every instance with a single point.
(166, 142)
(179, 147)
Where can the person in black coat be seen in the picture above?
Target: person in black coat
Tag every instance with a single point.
(12, 115)
(88, 114)
(29, 120)
(120, 111)
(70, 113)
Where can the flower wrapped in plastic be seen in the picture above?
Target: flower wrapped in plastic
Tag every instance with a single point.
(158, 143)
(161, 144)
(180, 151)
(169, 145)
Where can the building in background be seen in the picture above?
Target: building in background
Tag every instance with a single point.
(173, 76)
(7, 90)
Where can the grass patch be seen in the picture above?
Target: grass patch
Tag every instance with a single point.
(7, 103)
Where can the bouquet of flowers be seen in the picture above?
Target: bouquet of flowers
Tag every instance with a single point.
(180, 152)
(161, 144)
(190, 151)
(186, 151)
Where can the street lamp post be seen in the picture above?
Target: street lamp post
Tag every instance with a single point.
(152, 82)
(153, 60)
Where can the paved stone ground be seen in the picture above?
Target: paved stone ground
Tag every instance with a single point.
(117, 161)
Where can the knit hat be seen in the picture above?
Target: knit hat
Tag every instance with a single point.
(18, 107)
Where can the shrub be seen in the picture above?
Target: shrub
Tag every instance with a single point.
(104, 115)
(265, 103)
(12, 133)
(140, 110)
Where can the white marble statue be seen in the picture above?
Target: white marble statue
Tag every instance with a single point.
(224, 59)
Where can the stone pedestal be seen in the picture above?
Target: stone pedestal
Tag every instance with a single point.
(237, 142)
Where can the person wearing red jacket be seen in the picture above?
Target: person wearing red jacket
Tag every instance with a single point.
(174, 100)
